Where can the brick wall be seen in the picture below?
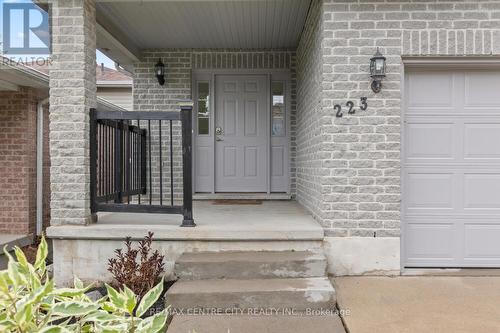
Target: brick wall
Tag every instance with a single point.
(179, 63)
(362, 183)
(18, 162)
(310, 137)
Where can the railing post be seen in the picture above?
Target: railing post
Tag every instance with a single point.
(143, 136)
(187, 185)
(118, 162)
(93, 162)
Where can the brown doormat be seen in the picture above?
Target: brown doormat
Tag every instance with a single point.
(236, 202)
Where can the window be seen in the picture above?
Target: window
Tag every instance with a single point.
(278, 109)
(203, 108)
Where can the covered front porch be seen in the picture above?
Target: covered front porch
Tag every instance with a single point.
(121, 174)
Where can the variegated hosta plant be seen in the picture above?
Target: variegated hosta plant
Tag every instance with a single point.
(29, 302)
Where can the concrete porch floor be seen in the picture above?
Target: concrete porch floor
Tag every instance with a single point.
(271, 220)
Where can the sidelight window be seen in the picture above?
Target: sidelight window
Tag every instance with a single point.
(203, 111)
(278, 109)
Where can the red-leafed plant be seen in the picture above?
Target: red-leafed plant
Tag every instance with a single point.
(139, 269)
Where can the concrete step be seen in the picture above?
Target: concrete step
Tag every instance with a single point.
(250, 265)
(299, 294)
(329, 323)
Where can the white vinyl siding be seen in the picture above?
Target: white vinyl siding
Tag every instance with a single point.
(118, 96)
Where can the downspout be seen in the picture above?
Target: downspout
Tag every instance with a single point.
(39, 166)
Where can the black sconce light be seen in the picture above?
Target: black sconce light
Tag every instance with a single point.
(160, 72)
(377, 71)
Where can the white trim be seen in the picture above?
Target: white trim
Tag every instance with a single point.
(268, 131)
(114, 84)
(39, 166)
(242, 196)
(451, 61)
(7, 86)
(242, 71)
(401, 171)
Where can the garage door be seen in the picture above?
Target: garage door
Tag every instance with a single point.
(451, 169)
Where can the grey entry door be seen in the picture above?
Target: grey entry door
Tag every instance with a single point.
(241, 133)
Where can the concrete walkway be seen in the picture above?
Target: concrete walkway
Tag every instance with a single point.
(420, 304)
(9, 241)
(256, 324)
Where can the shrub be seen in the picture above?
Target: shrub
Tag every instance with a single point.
(139, 269)
(29, 303)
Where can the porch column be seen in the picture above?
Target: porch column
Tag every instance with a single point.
(72, 94)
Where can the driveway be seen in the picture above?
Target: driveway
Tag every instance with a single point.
(420, 304)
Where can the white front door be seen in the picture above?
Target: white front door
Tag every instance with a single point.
(241, 133)
(451, 163)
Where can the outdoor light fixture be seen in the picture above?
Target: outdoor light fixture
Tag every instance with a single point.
(377, 71)
(160, 72)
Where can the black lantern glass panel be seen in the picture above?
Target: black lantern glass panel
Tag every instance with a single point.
(160, 72)
(377, 70)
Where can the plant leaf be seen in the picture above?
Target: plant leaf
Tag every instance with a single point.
(149, 299)
(101, 316)
(69, 292)
(70, 308)
(78, 283)
(41, 255)
(112, 328)
(54, 329)
(35, 296)
(153, 324)
(24, 315)
(21, 258)
(130, 299)
(116, 298)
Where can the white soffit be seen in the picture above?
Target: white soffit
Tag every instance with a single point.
(236, 24)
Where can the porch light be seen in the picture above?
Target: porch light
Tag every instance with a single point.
(160, 72)
(377, 71)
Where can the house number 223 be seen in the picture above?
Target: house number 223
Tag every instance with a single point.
(350, 104)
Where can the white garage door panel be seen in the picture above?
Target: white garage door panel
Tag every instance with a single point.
(430, 242)
(424, 86)
(480, 140)
(481, 89)
(451, 169)
(429, 191)
(482, 191)
(430, 140)
(482, 242)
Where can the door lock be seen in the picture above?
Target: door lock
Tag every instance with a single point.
(218, 130)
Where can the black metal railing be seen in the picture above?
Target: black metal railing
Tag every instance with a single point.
(135, 162)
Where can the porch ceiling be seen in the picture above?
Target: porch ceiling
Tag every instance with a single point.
(238, 24)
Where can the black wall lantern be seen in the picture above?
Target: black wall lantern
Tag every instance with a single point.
(160, 72)
(377, 71)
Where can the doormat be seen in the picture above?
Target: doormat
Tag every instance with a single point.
(236, 202)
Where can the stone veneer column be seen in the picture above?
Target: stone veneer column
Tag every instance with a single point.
(72, 94)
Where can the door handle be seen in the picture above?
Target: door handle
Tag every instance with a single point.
(218, 138)
(218, 130)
